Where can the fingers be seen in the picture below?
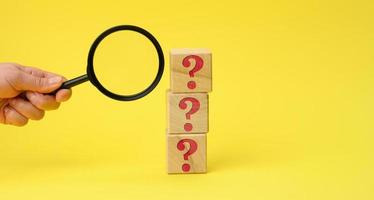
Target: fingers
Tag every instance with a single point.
(34, 83)
(18, 111)
(26, 109)
(63, 95)
(43, 102)
(37, 72)
(29, 82)
(13, 117)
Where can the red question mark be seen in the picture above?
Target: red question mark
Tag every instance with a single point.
(199, 63)
(193, 147)
(195, 107)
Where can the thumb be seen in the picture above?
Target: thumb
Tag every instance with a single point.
(28, 82)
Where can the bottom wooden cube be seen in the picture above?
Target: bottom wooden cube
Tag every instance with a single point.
(186, 153)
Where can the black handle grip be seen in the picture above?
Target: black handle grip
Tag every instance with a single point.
(71, 83)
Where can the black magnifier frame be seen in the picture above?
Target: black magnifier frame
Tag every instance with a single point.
(91, 72)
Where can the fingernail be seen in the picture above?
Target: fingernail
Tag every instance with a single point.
(54, 80)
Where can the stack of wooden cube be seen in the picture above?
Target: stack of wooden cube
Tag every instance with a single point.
(187, 110)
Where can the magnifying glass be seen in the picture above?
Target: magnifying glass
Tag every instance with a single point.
(93, 78)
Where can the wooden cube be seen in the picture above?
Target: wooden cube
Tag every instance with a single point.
(191, 70)
(187, 112)
(186, 153)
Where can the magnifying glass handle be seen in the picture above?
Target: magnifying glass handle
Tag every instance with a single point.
(71, 83)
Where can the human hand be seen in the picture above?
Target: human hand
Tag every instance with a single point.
(24, 93)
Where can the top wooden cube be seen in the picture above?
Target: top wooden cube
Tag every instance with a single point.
(191, 70)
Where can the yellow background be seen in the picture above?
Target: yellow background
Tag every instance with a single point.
(291, 112)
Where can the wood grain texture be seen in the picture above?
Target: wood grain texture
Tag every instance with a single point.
(195, 162)
(182, 62)
(182, 119)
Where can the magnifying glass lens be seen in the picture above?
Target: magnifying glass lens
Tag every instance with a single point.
(125, 62)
